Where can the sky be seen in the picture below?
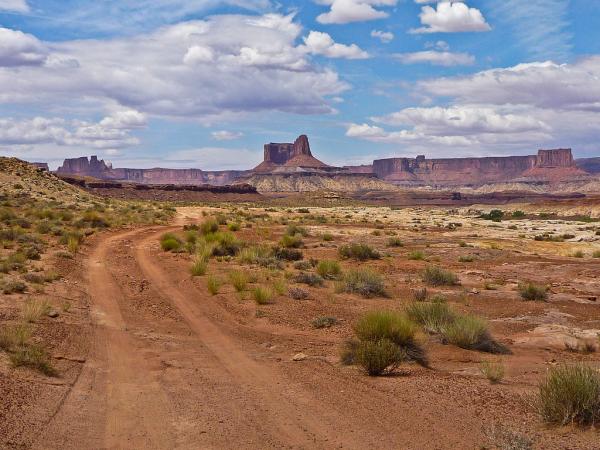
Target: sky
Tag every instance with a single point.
(205, 83)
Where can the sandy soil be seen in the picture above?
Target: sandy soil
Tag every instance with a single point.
(166, 365)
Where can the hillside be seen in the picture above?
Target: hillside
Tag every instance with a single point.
(315, 182)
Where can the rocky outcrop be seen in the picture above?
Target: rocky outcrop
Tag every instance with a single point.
(551, 164)
(84, 167)
(288, 155)
(41, 166)
(590, 165)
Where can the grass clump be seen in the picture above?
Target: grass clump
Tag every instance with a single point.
(471, 333)
(395, 242)
(385, 339)
(294, 241)
(310, 279)
(436, 276)
(360, 252)
(416, 255)
(296, 230)
(33, 356)
(327, 237)
(365, 282)
(169, 242)
(199, 267)
(329, 269)
(209, 226)
(570, 394)
(287, 254)
(262, 295)
(34, 310)
(14, 336)
(324, 322)
(239, 280)
(533, 292)
(213, 284)
(493, 371)
(434, 317)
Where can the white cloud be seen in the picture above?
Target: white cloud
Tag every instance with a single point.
(347, 11)
(322, 44)
(384, 36)
(192, 70)
(224, 135)
(14, 6)
(451, 17)
(20, 49)
(436, 58)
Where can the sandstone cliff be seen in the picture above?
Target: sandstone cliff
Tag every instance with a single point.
(288, 155)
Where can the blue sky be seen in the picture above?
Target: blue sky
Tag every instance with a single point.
(205, 83)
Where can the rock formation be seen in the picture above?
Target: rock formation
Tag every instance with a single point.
(287, 155)
(84, 167)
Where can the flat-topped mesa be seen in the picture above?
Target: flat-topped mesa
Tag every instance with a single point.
(84, 167)
(546, 164)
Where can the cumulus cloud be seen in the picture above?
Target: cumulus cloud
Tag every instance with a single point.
(436, 58)
(384, 36)
(347, 11)
(14, 6)
(322, 44)
(505, 110)
(20, 49)
(224, 135)
(451, 17)
(112, 132)
(191, 70)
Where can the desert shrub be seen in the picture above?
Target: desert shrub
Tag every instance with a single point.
(434, 317)
(209, 226)
(327, 237)
(360, 252)
(227, 244)
(191, 237)
(596, 254)
(436, 276)
(533, 292)
(324, 322)
(310, 279)
(73, 244)
(471, 333)
(169, 242)
(13, 287)
(262, 295)
(294, 230)
(221, 219)
(395, 242)
(570, 394)
(33, 310)
(287, 254)
(420, 295)
(288, 241)
(466, 258)
(302, 265)
(518, 214)
(199, 267)
(33, 356)
(493, 371)
(239, 280)
(254, 254)
(365, 282)
(416, 255)
(495, 215)
(578, 254)
(213, 284)
(14, 336)
(329, 269)
(379, 357)
(234, 226)
(280, 287)
(348, 352)
(297, 293)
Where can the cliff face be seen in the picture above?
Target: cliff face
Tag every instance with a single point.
(590, 165)
(546, 164)
(99, 169)
(281, 155)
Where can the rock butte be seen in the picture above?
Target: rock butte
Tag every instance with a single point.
(297, 159)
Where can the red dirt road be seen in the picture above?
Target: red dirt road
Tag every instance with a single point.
(172, 368)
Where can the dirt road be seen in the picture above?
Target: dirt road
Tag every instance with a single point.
(172, 368)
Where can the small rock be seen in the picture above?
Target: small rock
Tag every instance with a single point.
(299, 357)
(474, 291)
(53, 313)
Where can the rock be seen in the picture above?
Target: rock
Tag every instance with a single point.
(299, 357)
(474, 291)
(53, 313)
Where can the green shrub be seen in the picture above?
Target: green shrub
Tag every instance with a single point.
(262, 295)
(533, 292)
(365, 282)
(360, 252)
(420, 295)
(287, 254)
(379, 357)
(570, 394)
(33, 310)
(493, 371)
(327, 237)
(239, 280)
(226, 244)
(280, 287)
(436, 276)
(294, 230)
(434, 317)
(395, 242)
(234, 226)
(288, 241)
(170, 242)
(466, 258)
(416, 255)
(471, 333)
(495, 215)
(199, 267)
(33, 356)
(310, 279)
(14, 336)
(252, 255)
(329, 269)
(209, 226)
(213, 284)
(324, 322)
(13, 287)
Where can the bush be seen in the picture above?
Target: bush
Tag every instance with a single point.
(170, 242)
(324, 322)
(327, 237)
(33, 356)
(234, 226)
(416, 255)
(365, 282)
(495, 215)
(34, 310)
(13, 287)
(209, 226)
(262, 295)
(420, 295)
(466, 258)
(434, 317)
(570, 394)
(329, 269)
(295, 241)
(297, 293)
(471, 333)
(379, 357)
(14, 336)
(254, 254)
(309, 278)
(395, 242)
(213, 284)
(493, 371)
(360, 252)
(391, 325)
(294, 230)
(199, 267)
(436, 276)
(239, 280)
(533, 292)
(73, 244)
(287, 254)
(280, 287)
